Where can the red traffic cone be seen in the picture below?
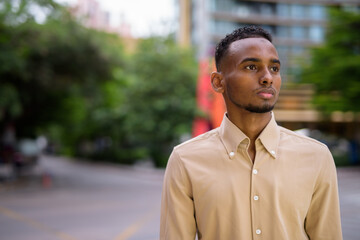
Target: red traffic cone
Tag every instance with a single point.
(46, 180)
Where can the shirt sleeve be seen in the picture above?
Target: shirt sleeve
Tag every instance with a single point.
(177, 206)
(323, 219)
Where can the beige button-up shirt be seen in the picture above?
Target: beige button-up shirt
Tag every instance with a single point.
(213, 189)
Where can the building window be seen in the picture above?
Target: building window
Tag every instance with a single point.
(316, 33)
(298, 32)
(317, 12)
(283, 10)
(267, 9)
(298, 11)
(223, 27)
(282, 32)
(269, 28)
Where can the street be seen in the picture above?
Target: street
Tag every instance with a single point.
(68, 200)
(78, 201)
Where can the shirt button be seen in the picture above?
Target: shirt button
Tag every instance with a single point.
(256, 198)
(255, 171)
(272, 152)
(258, 231)
(231, 154)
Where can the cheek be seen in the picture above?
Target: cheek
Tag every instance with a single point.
(235, 87)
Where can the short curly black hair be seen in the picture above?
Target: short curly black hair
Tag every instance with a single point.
(238, 34)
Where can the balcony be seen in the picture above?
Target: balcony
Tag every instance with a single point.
(265, 20)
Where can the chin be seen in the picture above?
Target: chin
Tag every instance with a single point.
(259, 109)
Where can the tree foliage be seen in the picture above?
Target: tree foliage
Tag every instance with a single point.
(79, 88)
(50, 71)
(162, 99)
(335, 67)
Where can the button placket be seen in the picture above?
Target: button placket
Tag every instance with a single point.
(254, 198)
(255, 172)
(256, 220)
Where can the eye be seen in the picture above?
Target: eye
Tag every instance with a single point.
(251, 67)
(275, 69)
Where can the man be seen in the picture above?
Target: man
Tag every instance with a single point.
(250, 178)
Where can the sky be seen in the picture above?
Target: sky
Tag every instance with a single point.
(146, 17)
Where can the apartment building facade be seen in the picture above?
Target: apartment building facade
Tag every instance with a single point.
(296, 25)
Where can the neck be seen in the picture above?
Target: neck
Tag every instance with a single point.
(250, 123)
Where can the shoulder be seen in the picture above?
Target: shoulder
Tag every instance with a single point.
(200, 150)
(201, 142)
(307, 150)
(193, 151)
(289, 137)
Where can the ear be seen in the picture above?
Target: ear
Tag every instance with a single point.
(217, 82)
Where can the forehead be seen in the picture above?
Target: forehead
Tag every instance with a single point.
(252, 47)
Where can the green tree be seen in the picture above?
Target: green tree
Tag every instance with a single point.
(52, 73)
(335, 67)
(161, 99)
(78, 87)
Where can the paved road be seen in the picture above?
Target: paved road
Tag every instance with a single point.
(349, 190)
(66, 200)
(82, 202)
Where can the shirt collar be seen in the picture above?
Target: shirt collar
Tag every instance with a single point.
(232, 136)
(270, 137)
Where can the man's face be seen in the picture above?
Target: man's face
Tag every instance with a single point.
(251, 75)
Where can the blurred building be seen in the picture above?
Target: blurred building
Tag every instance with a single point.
(296, 26)
(91, 15)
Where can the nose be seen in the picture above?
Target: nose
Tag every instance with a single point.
(266, 78)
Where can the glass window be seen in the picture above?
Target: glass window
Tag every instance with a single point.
(297, 11)
(282, 31)
(283, 10)
(269, 28)
(266, 9)
(316, 33)
(298, 32)
(222, 27)
(241, 10)
(317, 12)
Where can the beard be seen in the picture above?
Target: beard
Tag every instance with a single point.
(259, 109)
(266, 107)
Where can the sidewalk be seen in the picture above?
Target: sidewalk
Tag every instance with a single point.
(349, 189)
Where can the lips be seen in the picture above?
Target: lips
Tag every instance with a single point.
(266, 93)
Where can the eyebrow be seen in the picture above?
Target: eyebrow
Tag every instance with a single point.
(258, 60)
(275, 61)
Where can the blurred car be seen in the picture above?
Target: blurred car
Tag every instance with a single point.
(16, 159)
(28, 152)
